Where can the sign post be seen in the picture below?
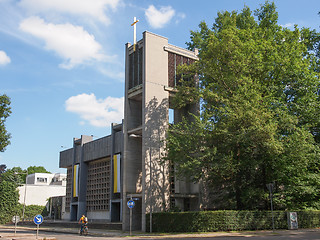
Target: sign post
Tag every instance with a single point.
(38, 220)
(15, 220)
(130, 205)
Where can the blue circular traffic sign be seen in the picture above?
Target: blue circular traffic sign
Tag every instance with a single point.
(38, 219)
(130, 204)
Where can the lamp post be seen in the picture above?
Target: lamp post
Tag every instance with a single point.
(25, 193)
(270, 188)
(24, 198)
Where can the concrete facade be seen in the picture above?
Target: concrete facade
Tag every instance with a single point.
(150, 84)
(42, 186)
(151, 78)
(90, 166)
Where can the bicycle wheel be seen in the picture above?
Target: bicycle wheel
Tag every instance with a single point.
(85, 231)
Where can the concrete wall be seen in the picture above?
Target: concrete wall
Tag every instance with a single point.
(39, 194)
(92, 150)
(146, 178)
(98, 215)
(155, 122)
(84, 153)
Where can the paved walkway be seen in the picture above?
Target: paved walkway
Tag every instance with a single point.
(120, 234)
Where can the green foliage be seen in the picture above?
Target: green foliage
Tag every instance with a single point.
(9, 197)
(210, 221)
(31, 211)
(12, 175)
(5, 112)
(37, 169)
(260, 113)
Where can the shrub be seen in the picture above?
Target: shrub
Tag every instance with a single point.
(210, 221)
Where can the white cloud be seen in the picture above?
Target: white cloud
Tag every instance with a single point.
(95, 8)
(288, 25)
(4, 59)
(180, 17)
(72, 43)
(98, 112)
(159, 18)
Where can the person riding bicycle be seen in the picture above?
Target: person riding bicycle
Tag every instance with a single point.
(83, 221)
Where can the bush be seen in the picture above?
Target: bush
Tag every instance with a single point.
(30, 212)
(210, 221)
(308, 219)
(33, 210)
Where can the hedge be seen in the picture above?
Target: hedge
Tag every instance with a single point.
(30, 212)
(211, 221)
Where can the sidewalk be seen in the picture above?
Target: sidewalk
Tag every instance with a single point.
(121, 234)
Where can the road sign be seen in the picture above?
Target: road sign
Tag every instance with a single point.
(130, 204)
(15, 219)
(293, 220)
(38, 219)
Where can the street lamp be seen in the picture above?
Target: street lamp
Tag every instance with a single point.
(270, 187)
(24, 199)
(25, 194)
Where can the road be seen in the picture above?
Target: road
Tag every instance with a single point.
(7, 234)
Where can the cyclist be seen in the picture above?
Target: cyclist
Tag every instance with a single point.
(83, 221)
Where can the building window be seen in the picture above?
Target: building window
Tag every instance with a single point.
(135, 68)
(174, 60)
(98, 185)
(68, 189)
(42, 180)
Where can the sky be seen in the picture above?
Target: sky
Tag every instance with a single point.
(62, 63)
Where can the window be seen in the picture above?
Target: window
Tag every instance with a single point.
(174, 60)
(41, 179)
(135, 68)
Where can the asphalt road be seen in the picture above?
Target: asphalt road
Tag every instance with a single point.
(24, 234)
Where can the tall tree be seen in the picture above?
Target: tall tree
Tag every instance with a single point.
(5, 112)
(9, 195)
(37, 169)
(259, 85)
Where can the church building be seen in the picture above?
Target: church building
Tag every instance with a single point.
(104, 174)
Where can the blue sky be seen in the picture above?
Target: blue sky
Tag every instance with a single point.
(62, 63)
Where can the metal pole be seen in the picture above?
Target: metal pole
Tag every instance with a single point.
(24, 199)
(37, 230)
(130, 220)
(272, 211)
(270, 188)
(15, 225)
(151, 186)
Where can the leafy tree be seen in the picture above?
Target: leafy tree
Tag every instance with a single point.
(9, 195)
(259, 121)
(37, 169)
(5, 112)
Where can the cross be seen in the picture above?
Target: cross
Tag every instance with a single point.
(134, 33)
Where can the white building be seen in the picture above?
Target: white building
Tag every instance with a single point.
(40, 187)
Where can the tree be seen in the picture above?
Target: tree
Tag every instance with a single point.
(37, 169)
(5, 112)
(259, 121)
(9, 195)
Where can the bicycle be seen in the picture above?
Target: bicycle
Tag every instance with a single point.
(84, 230)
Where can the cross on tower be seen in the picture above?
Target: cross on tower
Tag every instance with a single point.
(134, 33)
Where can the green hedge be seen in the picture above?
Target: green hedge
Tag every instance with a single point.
(210, 221)
(30, 212)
